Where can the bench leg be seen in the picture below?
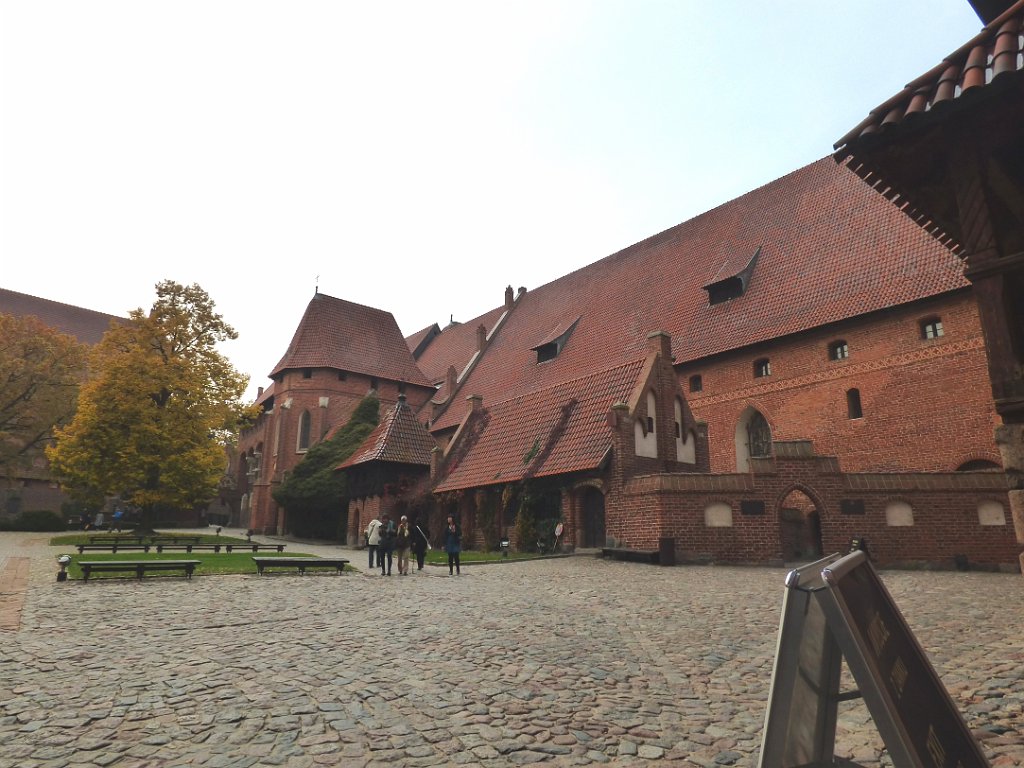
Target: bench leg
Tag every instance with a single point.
(139, 570)
(85, 572)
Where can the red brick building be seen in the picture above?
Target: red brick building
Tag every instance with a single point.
(32, 487)
(762, 382)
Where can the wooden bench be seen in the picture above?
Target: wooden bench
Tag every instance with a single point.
(633, 555)
(302, 563)
(139, 566)
(190, 547)
(175, 539)
(256, 547)
(110, 539)
(115, 547)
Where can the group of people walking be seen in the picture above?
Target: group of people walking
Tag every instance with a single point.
(385, 540)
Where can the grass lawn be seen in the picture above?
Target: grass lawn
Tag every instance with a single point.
(74, 539)
(209, 563)
(440, 557)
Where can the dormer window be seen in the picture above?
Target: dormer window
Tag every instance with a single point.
(553, 344)
(762, 368)
(732, 280)
(838, 350)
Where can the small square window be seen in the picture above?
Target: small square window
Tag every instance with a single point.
(342, 375)
(762, 368)
(307, 373)
(931, 328)
(696, 383)
(838, 350)
(374, 383)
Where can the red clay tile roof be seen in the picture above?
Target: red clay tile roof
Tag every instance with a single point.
(421, 339)
(454, 346)
(339, 334)
(84, 324)
(398, 439)
(988, 66)
(831, 249)
(560, 429)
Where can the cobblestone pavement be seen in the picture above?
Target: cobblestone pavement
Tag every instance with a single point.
(564, 662)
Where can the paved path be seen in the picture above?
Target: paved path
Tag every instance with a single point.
(561, 662)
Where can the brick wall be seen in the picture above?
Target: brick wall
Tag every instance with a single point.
(927, 404)
(280, 428)
(946, 530)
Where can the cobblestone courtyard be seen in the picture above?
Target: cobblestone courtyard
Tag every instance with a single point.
(564, 662)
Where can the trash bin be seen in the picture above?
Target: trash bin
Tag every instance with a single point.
(667, 550)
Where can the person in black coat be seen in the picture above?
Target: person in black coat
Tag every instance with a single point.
(387, 543)
(453, 546)
(420, 542)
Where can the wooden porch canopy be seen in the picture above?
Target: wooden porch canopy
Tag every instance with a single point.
(949, 151)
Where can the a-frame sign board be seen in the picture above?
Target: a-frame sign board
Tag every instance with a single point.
(838, 608)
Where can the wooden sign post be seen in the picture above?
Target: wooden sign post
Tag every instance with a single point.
(838, 608)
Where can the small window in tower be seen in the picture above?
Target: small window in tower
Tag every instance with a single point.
(304, 429)
(342, 375)
(307, 373)
(838, 350)
(762, 368)
(696, 383)
(401, 387)
(931, 328)
(853, 407)
(374, 383)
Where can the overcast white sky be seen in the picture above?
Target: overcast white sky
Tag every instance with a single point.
(416, 157)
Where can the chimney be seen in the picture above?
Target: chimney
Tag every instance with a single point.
(508, 297)
(476, 403)
(660, 342)
(481, 337)
(451, 379)
(259, 392)
(436, 454)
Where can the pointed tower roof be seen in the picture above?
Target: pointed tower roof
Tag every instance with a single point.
(398, 439)
(338, 334)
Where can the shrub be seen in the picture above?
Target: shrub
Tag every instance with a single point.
(35, 520)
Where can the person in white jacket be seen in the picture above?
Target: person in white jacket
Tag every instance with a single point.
(373, 541)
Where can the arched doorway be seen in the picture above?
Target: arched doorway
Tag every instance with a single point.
(753, 438)
(592, 508)
(799, 527)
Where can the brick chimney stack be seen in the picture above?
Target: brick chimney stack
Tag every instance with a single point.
(481, 337)
(508, 297)
(659, 341)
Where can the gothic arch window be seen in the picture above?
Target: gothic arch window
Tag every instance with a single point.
(753, 438)
(759, 435)
(644, 430)
(854, 410)
(304, 429)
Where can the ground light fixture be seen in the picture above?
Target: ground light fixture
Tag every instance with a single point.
(62, 561)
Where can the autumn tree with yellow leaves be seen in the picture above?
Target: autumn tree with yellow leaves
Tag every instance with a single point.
(157, 410)
(40, 369)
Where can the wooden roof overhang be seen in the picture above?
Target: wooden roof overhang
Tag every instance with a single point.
(948, 150)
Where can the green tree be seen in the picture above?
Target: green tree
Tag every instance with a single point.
(40, 369)
(159, 406)
(313, 492)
